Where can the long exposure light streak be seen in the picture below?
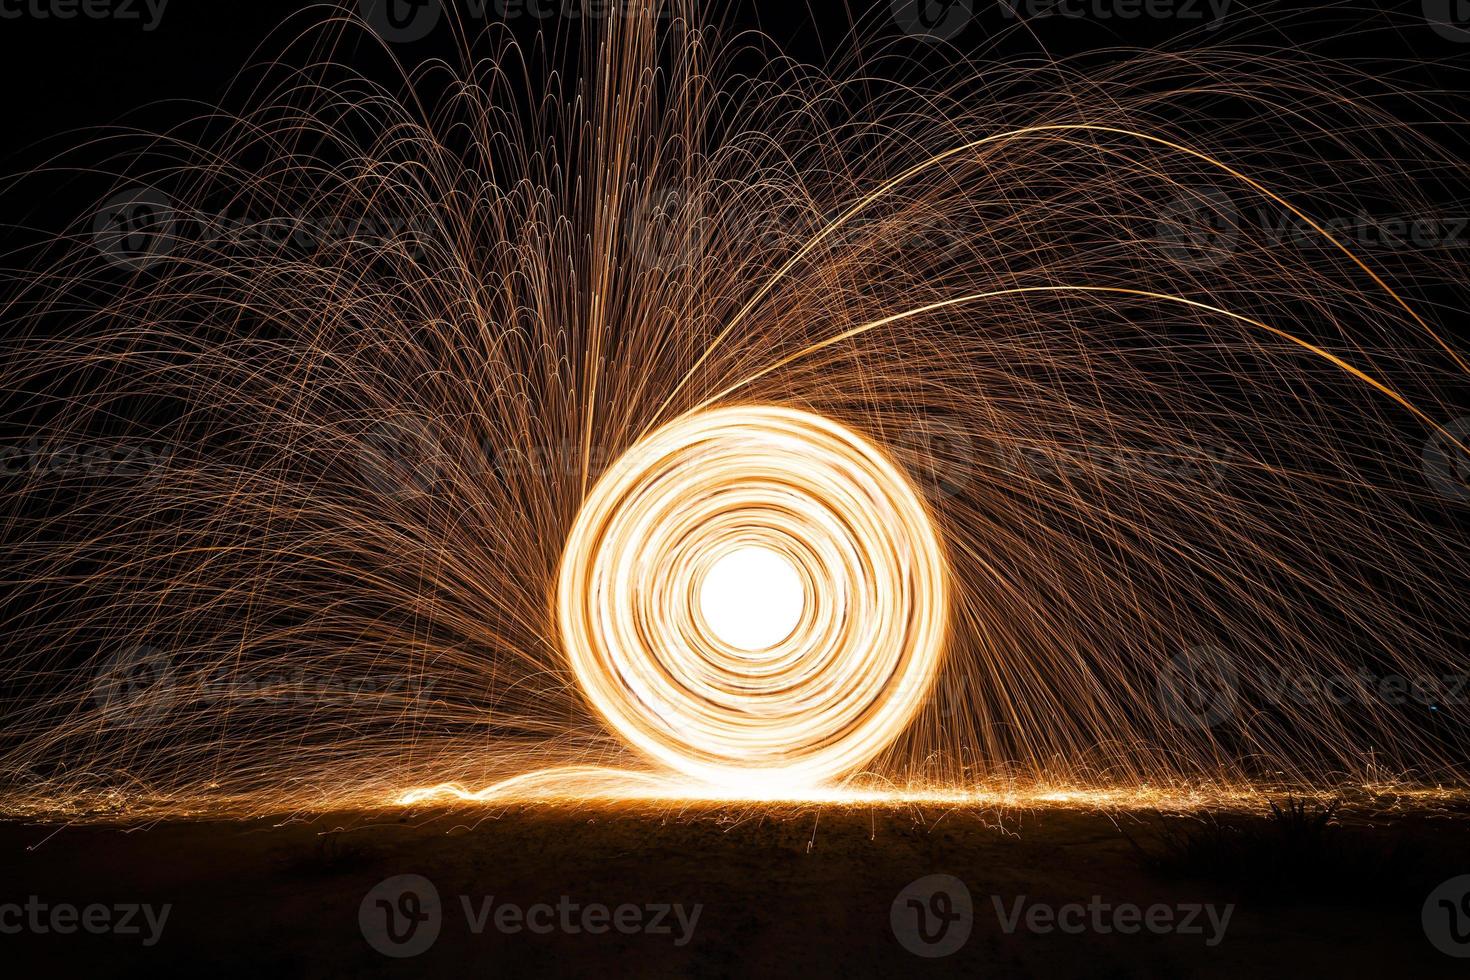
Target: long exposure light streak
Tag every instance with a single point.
(816, 704)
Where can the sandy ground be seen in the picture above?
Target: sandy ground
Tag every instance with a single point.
(786, 891)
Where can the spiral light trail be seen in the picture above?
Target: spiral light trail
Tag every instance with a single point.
(864, 653)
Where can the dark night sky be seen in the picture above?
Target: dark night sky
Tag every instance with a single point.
(75, 73)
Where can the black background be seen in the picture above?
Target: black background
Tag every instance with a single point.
(63, 79)
(62, 75)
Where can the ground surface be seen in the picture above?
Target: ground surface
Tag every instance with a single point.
(790, 891)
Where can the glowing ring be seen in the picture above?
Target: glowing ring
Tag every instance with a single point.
(864, 654)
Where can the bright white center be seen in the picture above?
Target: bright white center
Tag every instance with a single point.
(752, 598)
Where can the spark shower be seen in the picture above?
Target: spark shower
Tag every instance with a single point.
(430, 399)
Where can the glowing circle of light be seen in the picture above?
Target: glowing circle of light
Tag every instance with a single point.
(699, 505)
(752, 598)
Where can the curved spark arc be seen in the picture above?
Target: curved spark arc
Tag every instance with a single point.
(1321, 352)
(934, 161)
